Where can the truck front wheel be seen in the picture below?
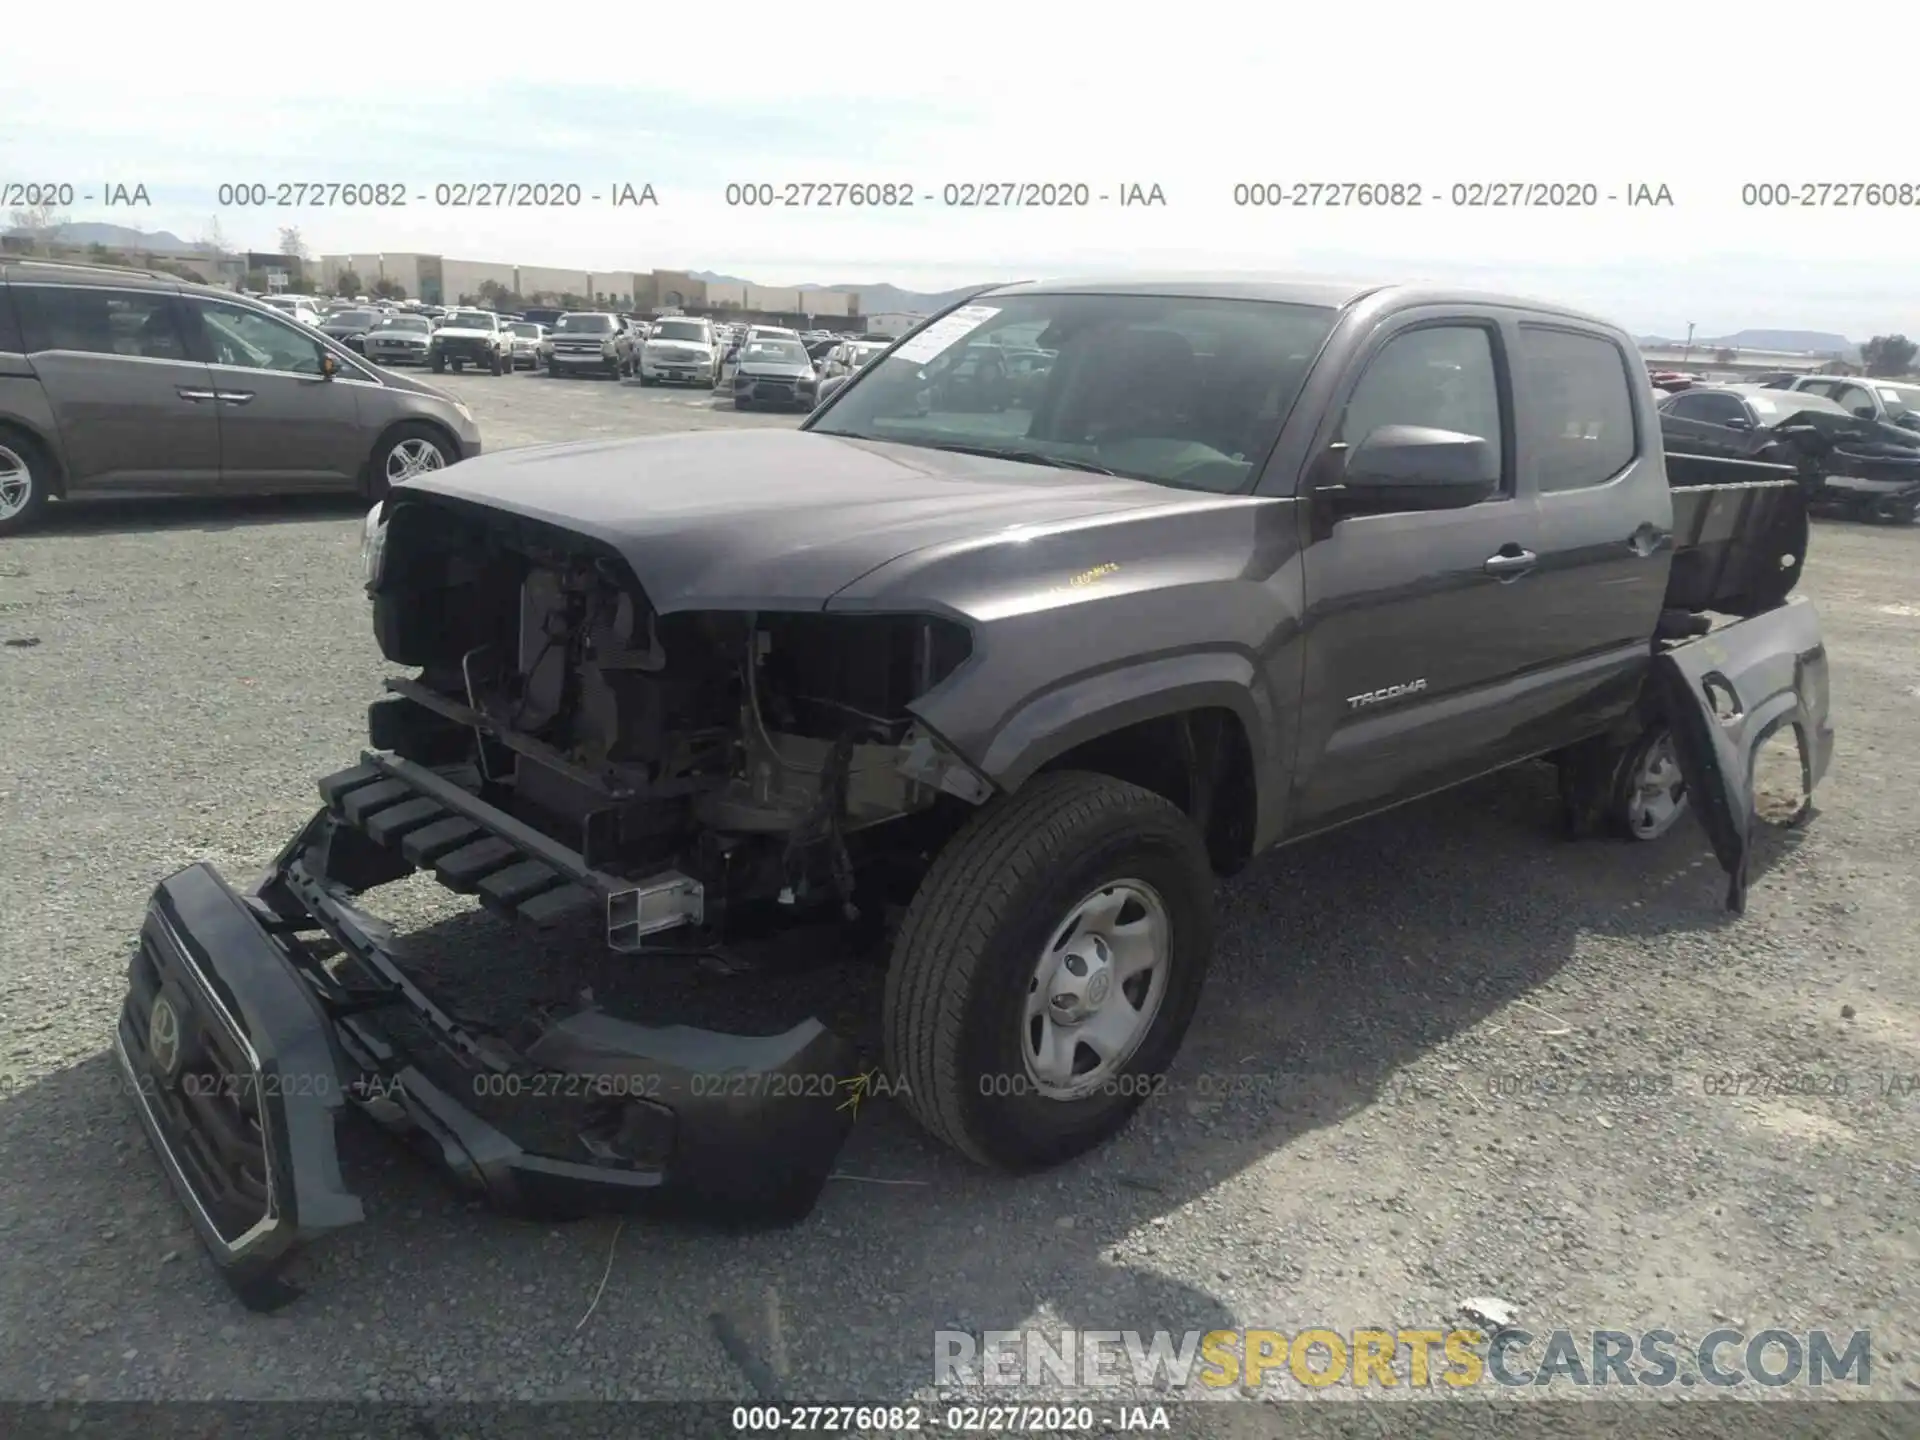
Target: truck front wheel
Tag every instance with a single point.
(1048, 969)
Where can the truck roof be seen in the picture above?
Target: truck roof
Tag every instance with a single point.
(1335, 294)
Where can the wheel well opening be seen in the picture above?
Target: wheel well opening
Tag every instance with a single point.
(1199, 760)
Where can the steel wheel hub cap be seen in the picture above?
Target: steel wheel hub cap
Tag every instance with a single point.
(413, 457)
(1096, 990)
(1660, 792)
(16, 484)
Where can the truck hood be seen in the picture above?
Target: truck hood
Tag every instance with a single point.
(773, 519)
(448, 332)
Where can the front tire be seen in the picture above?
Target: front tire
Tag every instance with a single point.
(26, 478)
(494, 367)
(1048, 969)
(405, 451)
(439, 364)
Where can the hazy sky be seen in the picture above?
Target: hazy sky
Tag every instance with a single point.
(1205, 96)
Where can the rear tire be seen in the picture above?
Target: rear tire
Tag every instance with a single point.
(1649, 795)
(26, 481)
(986, 960)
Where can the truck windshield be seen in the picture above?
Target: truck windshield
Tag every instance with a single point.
(1176, 390)
(680, 330)
(585, 325)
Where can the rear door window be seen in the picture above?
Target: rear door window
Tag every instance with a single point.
(134, 324)
(1576, 407)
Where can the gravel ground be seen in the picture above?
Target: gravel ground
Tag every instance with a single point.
(176, 674)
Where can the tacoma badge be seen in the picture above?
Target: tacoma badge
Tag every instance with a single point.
(1392, 692)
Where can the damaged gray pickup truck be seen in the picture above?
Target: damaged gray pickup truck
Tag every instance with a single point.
(989, 677)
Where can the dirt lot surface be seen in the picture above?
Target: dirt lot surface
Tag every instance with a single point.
(1445, 1054)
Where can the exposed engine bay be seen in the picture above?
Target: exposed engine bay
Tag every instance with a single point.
(753, 754)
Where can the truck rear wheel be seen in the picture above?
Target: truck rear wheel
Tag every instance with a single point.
(1048, 969)
(1649, 793)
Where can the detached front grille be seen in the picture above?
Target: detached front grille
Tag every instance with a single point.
(209, 1109)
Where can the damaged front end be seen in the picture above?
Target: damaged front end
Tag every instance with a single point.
(572, 759)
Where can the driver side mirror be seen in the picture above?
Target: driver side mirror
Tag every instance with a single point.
(1863, 412)
(329, 367)
(1416, 467)
(829, 387)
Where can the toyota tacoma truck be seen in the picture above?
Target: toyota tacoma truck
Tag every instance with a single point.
(990, 694)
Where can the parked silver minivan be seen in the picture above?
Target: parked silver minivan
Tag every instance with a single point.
(136, 381)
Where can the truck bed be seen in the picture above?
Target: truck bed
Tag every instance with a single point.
(1739, 534)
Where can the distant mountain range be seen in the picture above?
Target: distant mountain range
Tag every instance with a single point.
(1811, 342)
(874, 299)
(122, 237)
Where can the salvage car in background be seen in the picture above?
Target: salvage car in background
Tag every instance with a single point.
(773, 372)
(1859, 467)
(471, 337)
(350, 327)
(590, 342)
(529, 343)
(295, 307)
(680, 350)
(117, 380)
(399, 340)
(851, 356)
(1893, 402)
(1031, 678)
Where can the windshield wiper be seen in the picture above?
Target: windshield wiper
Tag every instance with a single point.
(1025, 457)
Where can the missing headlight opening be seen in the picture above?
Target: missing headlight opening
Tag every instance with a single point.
(750, 751)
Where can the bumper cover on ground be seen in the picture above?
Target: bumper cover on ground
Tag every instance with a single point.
(256, 1047)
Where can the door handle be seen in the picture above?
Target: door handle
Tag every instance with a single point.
(196, 396)
(235, 397)
(1647, 539)
(1511, 563)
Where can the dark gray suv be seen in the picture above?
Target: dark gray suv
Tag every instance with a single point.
(135, 381)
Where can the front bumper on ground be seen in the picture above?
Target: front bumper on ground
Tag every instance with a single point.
(244, 1036)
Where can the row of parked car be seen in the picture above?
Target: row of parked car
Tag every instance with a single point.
(1853, 441)
(761, 365)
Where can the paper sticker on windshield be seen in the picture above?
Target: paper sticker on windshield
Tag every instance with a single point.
(945, 333)
(1892, 397)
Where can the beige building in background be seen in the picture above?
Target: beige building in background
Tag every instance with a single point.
(827, 304)
(768, 300)
(445, 281)
(465, 277)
